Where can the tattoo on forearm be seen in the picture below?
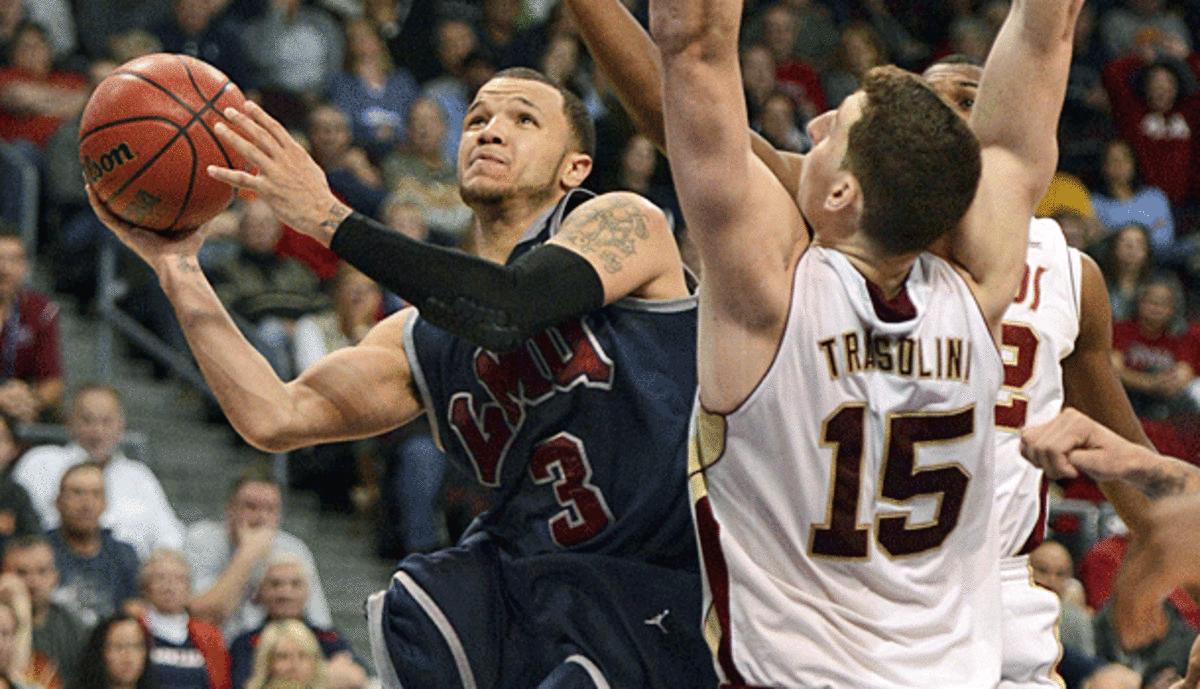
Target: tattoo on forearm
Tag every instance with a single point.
(1166, 480)
(188, 264)
(609, 232)
(337, 213)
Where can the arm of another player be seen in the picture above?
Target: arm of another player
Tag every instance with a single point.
(1092, 387)
(1015, 117)
(747, 228)
(627, 56)
(355, 392)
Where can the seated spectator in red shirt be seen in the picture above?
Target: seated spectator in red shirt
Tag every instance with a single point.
(34, 97)
(1157, 111)
(1098, 572)
(31, 371)
(284, 593)
(781, 27)
(185, 653)
(1155, 356)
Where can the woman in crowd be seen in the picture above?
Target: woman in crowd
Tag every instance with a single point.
(288, 655)
(1123, 198)
(116, 656)
(1127, 261)
(371, 91)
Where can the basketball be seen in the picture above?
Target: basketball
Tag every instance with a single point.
(146, 139)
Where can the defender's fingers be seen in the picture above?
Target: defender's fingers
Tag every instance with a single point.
(235, 178)
(270, 124)
(253, 153)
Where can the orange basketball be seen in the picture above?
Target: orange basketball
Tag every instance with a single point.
(146, 140)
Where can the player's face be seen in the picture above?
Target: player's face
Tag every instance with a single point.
(514, 143)
(81, 501)
(168, 586)
(956, 84)
(823, 167)
(97, 424)
(289, 661)
(283, 592)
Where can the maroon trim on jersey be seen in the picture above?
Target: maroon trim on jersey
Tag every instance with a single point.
(718, 585)
(898, 309)
(1039, 529)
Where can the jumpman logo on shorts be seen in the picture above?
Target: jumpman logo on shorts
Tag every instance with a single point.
(657, 620)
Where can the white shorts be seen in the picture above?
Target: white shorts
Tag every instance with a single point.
(1031, 646)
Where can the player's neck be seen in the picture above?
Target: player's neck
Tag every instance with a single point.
(888, 273)
(498, 227)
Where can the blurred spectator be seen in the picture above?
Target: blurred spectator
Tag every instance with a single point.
(138, 511)
(499, 29)
(1160, 676)
(116, 657)
(860, 49)
(17, 515)
(195, 29)
(1123, 198)
(758, 80)
(1079, 231)
(227, 558)
(1157, 110)
(96, 571)
(1127, 261)
(30, 360)
(35, 98)
(55, 16)
(357, 304)
(423, 176)
(288, 656)
(1137, 24)
(1156, 356)
(186, 653)
(563, 63)
(1171, 644)
(1114, 676)
(103, 22)
(12, 13)
(461, 65)
(20, 659)
(375, 95)
(283, 593)
(264, 291)
(639, 169)
(781, 31)
(971, 35)
(779, 124)
(1086, 122)
(57, 634)
(296, 48)
(350, 172)
(1053, 569)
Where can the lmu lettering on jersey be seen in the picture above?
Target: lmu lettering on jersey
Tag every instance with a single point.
(557, 360)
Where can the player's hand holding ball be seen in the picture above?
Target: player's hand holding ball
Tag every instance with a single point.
(288, 179)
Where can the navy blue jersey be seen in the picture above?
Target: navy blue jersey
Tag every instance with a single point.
(581, 432)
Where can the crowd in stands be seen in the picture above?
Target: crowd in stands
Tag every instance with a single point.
(103, 586)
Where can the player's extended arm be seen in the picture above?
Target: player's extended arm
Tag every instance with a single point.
(1015, 118)
(612, 246)
(626, 54)
(355, 392)
(1092, 387)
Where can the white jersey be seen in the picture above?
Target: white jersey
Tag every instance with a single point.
(1039, 332)
(844, 510)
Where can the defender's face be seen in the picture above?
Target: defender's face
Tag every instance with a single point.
(958, 85)
(515, 139)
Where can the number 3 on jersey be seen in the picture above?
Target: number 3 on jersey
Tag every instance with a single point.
(841, 536)
(562, 460)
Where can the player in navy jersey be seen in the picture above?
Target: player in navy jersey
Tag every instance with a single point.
(557, 367)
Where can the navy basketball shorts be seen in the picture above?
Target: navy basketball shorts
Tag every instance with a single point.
(473, 617)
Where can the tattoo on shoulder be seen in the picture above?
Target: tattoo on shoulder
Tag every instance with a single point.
(337, 213)
(609, 231)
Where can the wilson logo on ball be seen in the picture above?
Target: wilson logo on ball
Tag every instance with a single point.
(95, 170)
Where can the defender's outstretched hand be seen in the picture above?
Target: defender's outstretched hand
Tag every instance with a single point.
(288, 179)
(152, 247)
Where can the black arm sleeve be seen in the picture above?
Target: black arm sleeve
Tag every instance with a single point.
(496, 307)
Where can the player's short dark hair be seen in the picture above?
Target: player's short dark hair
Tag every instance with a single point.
(258, 472)
(957, 59)
(583, 130)
(917, 162)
